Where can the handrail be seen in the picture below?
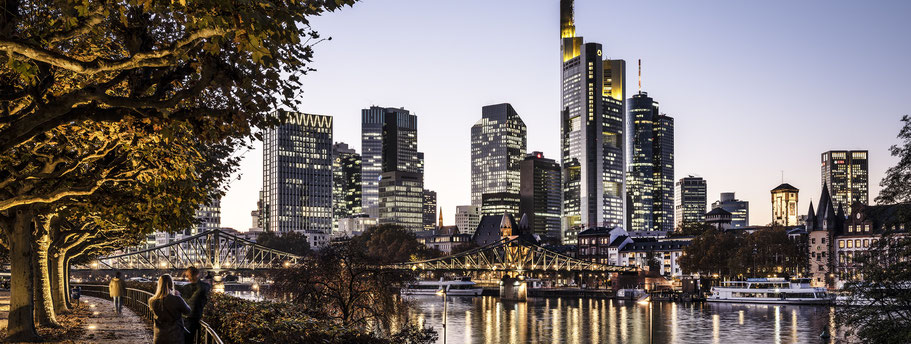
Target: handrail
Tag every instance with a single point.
(137, 301)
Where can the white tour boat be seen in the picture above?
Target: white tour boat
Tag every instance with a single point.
(460, 287)
(770, 290)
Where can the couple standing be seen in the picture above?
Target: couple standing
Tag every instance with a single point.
(169, 308)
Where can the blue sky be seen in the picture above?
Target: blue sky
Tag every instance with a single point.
(755, 87)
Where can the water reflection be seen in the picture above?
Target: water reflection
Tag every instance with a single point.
(571, 320)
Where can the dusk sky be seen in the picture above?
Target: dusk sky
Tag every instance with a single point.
(755, 87)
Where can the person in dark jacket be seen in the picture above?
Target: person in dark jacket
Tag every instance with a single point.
(168, 309)
(198, 292)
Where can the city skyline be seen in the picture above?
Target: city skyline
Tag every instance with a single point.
(706, 144)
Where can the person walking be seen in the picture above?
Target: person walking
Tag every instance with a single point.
(168, 309)
(115, 289)
(199, 297)
(77, 292)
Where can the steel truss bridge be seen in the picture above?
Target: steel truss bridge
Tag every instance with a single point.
(510, 255)
(209, 250)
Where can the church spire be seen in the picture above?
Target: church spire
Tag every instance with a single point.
(441, 217)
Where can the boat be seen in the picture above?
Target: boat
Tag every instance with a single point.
(459, 287)
(770, 291)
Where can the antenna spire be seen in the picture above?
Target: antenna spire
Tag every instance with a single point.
(640, 75)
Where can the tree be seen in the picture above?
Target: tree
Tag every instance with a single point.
(220, 66)
(691, 229)
(710, 253)
(896, 185)
(877, 309)
(767, 251)
(291, 242)
(389, 243)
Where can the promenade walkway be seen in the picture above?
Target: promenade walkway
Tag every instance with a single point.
(94, 321)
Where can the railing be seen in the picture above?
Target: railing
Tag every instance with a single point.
(137, 301)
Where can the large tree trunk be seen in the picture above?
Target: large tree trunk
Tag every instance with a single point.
(44, 301)
(58, 287)
(66, 282)
(21, 326)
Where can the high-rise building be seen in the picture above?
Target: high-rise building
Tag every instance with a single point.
(740, 210)
(498, 142)
(784, 205)
(402, 200)
(297, 175)
(467, 217)
(650, 178)
(494, 203)
(690, 200)
(539, 195)
(346, 182)
(389, 141)
(592, 132)
(430, 209)
(208, 217)
(846, 174)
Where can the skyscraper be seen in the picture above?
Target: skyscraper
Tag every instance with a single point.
(389, 142)
(650, 179)
(784, 205)
(539, 195)
(740, 210)
(346, 182)
(208, 217)
(499, 203)
(498, 142)
(467, 218)
(592, 135)
(297, 175)
(846, 174)
(690, 198)
(430, 209)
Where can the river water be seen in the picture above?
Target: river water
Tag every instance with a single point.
(572, 320)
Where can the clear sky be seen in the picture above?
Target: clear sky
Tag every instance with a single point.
(755, 87)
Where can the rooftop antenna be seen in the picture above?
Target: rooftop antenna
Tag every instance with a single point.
(640, 76)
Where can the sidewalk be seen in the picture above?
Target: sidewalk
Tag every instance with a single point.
(106, 326)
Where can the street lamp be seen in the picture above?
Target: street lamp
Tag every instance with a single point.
(442, 292)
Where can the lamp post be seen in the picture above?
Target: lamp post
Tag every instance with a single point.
(442, 292)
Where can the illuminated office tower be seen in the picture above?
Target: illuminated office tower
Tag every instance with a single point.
(592, 137)
(497, 147)
(539, 195)
(650, 178)
(386, 134)
(784, 205)
(208, 217)
(429, 212)
(846, 174)
(297, 175)
(499, 203)
(346, 182)
(740, 210)
(467, 218)
(690, 200)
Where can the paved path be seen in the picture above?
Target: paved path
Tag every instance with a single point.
(104, 325)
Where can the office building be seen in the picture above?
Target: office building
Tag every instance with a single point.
(690, 200)
(498, 142)
(539, 195)
(467, 217)
(389, 141)
(429, 209)
(740, 210)
(499, 203)
(208, 217)
(346, 182)
(354, 225)
(402, 199)
(650, 178)
(297, 175)
(846, 174)
(592, 132)
(784, 205)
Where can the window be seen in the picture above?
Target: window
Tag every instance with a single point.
(856, 242)
(850, 244)
(813, 241)
(823, 241)
(841, 244)
(866, 243)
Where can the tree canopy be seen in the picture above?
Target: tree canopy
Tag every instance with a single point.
(389, 243)
(896, 185)
(291, 242)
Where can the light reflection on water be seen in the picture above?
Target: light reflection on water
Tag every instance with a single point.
(572, 320)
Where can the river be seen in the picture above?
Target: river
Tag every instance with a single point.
(573, 320)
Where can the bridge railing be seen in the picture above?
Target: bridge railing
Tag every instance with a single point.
(137, 301)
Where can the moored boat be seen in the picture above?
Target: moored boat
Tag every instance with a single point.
(460, 287)
(771, 291)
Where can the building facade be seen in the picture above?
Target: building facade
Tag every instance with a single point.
(592, 136)
(499, 203)
(429, 209)
(297, 175)
(650, 175)
(539, 195)
(467, 217)
(346, 182)
(402, 199)
(784, 205)
(690, 200)
(740, 210)
(847, 174)
(354, 225)
(498, 143)
(386, 134)
(208, 217)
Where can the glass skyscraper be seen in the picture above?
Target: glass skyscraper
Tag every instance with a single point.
(539, 195)
(650, 178)
(429, 209)
(498, 143)
(346, 182)
(297, 175)
(846, 175)
(592, 133)
(690, 198)
(740, 210)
